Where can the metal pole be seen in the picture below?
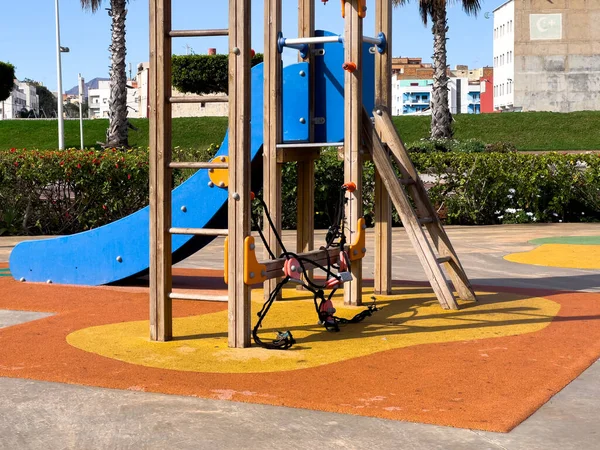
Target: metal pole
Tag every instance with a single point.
(81, 88)
(61, 125)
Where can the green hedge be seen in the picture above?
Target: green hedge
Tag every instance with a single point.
(203, 74)
(61, 192)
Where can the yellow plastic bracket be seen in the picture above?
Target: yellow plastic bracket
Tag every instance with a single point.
(359, 248)
(226, 260)
(362, 8)
(220, 177)
(254, 272)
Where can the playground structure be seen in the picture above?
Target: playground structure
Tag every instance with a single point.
(289, 113)
(381, 140)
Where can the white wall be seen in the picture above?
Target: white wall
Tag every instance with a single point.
(504, 51)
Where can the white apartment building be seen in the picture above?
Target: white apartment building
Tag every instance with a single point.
(504, 50)
(98, 100)
(23, 97)
(413, 97)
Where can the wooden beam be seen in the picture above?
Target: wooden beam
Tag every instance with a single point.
(307, 155)
(305, 213)
(272, 130)
(383, 206)
(353, 33)
(161, 316)
(275, 266)
(239, 172)
(414, 231)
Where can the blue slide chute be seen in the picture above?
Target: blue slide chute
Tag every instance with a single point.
(121, 249)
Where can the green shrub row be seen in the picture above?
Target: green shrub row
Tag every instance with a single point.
(475, 188)
(204, 74)
(61, 192)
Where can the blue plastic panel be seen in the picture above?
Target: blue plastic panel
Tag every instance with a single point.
(296, 121)
(329, 88)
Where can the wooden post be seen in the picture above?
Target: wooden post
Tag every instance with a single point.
(272, 130)
(239, 170)
(305, 223)
(383, 207)
(353, 34)
(160, 175)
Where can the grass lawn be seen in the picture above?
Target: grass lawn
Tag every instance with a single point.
(188, 132)
(528, 131)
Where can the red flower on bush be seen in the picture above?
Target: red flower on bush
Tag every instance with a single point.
(78, 166)
(12, 150)
(129, 176)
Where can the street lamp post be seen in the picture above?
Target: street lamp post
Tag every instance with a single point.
(59, 49)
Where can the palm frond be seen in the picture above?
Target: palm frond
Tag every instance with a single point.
(91, 5)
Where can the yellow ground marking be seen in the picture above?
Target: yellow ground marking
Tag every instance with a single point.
(411, 316)
(560, 255)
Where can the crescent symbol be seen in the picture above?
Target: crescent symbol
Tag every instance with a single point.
(541, 25)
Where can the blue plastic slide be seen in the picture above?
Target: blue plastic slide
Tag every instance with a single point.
(121, 249)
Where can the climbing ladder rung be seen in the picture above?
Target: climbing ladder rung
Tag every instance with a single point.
(443, 259)
(198, 297)
(199, 99)
(407, 181)
(424, 220)
(198, 165)
(199, 33)
(200, 231)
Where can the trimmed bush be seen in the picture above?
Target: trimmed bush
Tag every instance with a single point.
(204, 74)
(61, 192)
(490, 188)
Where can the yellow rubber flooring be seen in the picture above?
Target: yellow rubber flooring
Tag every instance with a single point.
(560, 255)
(412, 316)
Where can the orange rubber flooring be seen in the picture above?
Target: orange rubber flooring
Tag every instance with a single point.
(487, 384)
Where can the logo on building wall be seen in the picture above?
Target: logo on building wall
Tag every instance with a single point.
(545, 26)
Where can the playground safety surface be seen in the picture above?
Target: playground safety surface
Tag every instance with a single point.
(487, 366)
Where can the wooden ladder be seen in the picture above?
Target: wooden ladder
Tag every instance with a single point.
(161, 101)
(386, 147)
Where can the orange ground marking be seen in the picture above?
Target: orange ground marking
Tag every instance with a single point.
(490, 384)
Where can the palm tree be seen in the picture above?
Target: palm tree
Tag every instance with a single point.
(441, 120)
(116, 135)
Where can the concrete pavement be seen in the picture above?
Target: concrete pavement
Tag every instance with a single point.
(43, 415)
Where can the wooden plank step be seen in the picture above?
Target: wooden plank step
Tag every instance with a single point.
(443, 259)
(197, 165)
(199, 99)
(407, 181)
(424, 220)
(199, 297)
(199, 33)
(200, 231)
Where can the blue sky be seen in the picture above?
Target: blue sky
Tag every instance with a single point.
(28, 38)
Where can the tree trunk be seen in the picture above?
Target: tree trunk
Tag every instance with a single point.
(116, 136)
(441, 120)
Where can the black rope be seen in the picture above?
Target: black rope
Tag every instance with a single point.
(285, 340)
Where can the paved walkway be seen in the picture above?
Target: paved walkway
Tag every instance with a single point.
(42, 415)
